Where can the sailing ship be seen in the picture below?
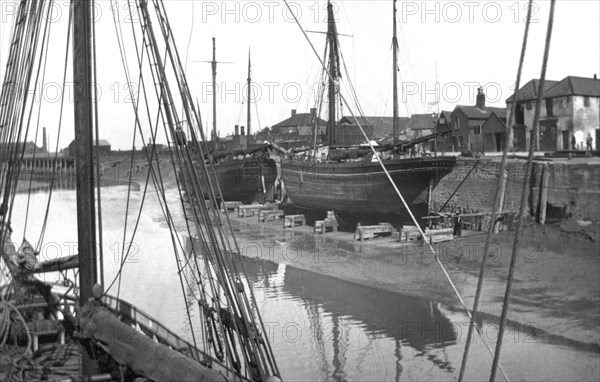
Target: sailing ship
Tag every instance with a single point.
(361, 188)
(245, 171)
(75, 330)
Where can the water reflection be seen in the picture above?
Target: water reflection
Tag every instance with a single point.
(409, 321)
(340, 329)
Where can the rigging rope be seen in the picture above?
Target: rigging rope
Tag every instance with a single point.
(496, 199)
(524, 192)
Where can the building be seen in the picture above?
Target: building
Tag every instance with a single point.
(443, 124)
(494, 133)
(421, 125)
(379, 128)
(467, 124)
(103, 147)
(27, 149)
(570, 108)
(297, 130)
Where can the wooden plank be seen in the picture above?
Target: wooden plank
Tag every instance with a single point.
(369, 231)
(439, 235)
(291, 220)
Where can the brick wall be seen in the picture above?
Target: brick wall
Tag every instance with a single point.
(573, 188)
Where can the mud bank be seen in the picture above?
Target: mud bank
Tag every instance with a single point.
(555, 297)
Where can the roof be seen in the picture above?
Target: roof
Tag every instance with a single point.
(300, 119)
(570, 85)
(422, 122)
(574, 86)
(447, 115)
(528, 91)
(473, 112)
(381, 125)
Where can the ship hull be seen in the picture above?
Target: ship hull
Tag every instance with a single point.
(243, 180)
(363, 189)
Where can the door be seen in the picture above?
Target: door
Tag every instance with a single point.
(519, 138)
(500, 138)
(565, 140)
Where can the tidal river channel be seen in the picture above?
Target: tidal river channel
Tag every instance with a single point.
(321, 328)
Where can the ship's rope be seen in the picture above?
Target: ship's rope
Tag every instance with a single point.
(425, 239)
(60, 123)
(14, 98)
(44, 53)
(492, 227)
(96, 98)
(524, 192)
(231, 288)
(5, 324)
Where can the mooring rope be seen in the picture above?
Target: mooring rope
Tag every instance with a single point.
(376, 155)
(497, 205)
(524, 193)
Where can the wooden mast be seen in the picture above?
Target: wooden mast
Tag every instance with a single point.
(333, 74)
(84, 126)
(249, 95)
(395, 80)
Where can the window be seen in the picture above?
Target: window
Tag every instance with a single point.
(549, 112)
(586, 101)
(456, 123)
(528, 105)
(477, 130)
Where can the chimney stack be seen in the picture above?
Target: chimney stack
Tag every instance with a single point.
(313, 111)
(480, 102)
(293, 112)
(595, 76)
(44, 142)
(236, 130)
(242, 130)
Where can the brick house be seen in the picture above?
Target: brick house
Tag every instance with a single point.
(297, 130)
(570, 107)
(494, 133)
(467, 124)
(376, 128)
(421, 125)
(443, 124)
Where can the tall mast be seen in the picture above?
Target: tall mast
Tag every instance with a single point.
(395, 79)
(333, 73)
(84, 126)
(214, 84)
(249, 95)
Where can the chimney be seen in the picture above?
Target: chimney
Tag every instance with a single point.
(236, 130)
(44, 142)
(595, 76)
(293, 112)
(242, 130)
(313, 111)
(480, 102)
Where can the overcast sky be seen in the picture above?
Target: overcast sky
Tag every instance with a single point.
(462, 45)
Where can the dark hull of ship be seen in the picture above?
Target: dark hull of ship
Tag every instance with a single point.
(362, 190)
(242, 180)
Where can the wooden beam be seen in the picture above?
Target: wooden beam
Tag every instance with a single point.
(139, 352)
(544, 194)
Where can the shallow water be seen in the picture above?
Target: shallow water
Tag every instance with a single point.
(321, 328)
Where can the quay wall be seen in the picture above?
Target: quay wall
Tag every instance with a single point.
(573, 188)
